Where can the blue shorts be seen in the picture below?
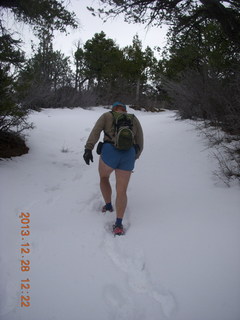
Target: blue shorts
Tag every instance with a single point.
(118, 159)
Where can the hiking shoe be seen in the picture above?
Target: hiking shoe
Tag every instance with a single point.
(118, 230)
(107, 207)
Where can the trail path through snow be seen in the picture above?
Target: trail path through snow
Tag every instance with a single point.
(180, 258)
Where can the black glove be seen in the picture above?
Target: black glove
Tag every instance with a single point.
(88, 156)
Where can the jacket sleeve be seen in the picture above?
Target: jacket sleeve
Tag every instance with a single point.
(95, 133)
(139, 140)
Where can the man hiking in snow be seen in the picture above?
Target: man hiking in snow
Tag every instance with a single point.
(123, 144)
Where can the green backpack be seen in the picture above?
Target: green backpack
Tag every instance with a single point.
(123, 123)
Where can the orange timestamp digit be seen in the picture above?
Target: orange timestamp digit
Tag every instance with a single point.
(24, 261)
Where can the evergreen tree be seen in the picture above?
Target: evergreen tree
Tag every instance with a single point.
(41, 12)
(36, 13)
(79, 60)
(201, 74)
(44, 75)
(139, 67)
(180, 14)
(102, 59)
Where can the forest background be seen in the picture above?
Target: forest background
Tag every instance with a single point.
(198, 72)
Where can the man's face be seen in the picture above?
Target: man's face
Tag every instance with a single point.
(120, 109)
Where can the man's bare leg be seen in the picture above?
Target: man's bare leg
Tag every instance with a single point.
(122, 180)
(104, 173)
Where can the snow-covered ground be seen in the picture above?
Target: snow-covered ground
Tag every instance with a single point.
(180, 259)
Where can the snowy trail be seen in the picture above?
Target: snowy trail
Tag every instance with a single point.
(181, 248)
(132, 263)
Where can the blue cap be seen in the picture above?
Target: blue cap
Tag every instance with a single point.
(115, 104)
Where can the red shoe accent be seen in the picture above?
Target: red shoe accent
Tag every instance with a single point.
(118, 230)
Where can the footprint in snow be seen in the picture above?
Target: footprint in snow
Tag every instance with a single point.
(77, 176)
(121, 305)
(52, 188)
(133, 264)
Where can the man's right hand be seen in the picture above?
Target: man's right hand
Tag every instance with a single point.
(88, 156)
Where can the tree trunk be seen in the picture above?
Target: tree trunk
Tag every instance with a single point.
(138, 92)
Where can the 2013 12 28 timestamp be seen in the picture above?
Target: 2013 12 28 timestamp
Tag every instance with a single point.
(25, 261)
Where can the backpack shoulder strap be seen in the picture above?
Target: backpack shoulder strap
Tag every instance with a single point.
(112, 124)
(130, 116)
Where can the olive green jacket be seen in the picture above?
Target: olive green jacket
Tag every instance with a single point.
(106, 124)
